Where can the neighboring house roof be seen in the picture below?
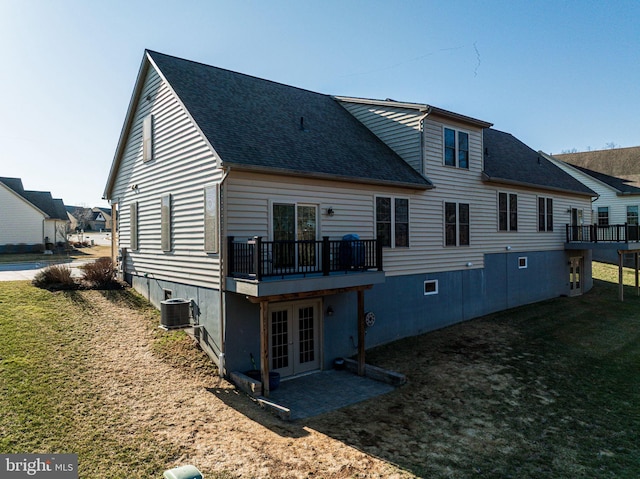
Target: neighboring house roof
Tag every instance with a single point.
(261, 125)
(508, 160)
(52, 207)
(624, 187)
(617, 162)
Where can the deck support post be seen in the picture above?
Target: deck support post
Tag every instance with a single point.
(620, 275)
(361, 332)
(264, 347)
(637, 264)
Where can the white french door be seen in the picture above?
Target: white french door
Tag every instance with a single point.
(294, 337)
(575, 275)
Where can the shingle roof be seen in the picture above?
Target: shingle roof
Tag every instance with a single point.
(622, 185)
(259, 124)
(618, 162)
(509, 160)
(42, 200)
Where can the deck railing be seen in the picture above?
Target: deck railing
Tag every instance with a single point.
(258, 259)
(624, 233)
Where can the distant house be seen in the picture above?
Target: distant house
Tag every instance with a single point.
(295, 222)
(31, 220)
(89, 219)
(614, 175)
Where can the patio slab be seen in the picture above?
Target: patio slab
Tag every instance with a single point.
(325, 391)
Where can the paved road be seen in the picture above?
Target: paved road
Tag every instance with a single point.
(27, 271)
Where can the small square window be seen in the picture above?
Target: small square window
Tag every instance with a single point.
(430, 287)
(522, 262)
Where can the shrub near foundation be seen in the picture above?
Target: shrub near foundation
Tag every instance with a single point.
(55, 277)
(100, 274)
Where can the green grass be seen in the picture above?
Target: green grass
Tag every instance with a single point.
(546, 390)
(48, 399)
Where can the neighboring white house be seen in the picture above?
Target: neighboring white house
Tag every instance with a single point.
(618, 200)
(285, 215)
(31, 220)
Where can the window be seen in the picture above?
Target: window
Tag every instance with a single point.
(522, 262)
(456, 224)
(211, 219)
(545, 214)
(396, 216)
(456, 148)
(430, 287)
(147, 138)
(133, 225)
(603, 216)
(507, 212)
(165, 221)
(632, 223)
(632, 215)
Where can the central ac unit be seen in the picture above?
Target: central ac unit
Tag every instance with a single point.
(174, 313)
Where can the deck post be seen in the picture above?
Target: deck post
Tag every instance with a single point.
(620, 281)
(264, 347)
(326, 256)
(637, 268)
(361, 332)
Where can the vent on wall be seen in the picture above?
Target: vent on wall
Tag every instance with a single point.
(174, 313)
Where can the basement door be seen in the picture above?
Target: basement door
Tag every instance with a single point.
(575, 275)
(294, 337)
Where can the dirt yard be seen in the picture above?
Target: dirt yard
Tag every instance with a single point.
(527, 393)
(212, 425)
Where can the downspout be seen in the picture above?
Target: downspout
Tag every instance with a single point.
(222, 255)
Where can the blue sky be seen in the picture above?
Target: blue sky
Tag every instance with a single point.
(556, 74)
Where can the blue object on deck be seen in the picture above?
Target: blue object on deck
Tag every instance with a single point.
(183, 472)
(351, 252)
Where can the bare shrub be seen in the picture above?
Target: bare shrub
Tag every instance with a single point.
(57, 276)
(100, 274)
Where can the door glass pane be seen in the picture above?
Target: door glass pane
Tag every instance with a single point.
(306, 334)
(307, 227)
(284, 232)
(279, 339)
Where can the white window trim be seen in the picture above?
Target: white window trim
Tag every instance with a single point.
(393, 199)
(456, 131)
(295, 202)
(444, 224)
(526, 262)
(546, 214)
(430, 281)
(508, 193)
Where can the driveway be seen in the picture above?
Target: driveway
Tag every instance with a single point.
(27, 271)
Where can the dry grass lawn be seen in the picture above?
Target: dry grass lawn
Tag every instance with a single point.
(547, 390)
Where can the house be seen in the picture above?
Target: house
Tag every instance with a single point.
(618, 196)
(31, 220)
(300, 225)
(89, 219)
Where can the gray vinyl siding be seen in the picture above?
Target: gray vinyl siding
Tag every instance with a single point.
(399, 128)
(182, 165)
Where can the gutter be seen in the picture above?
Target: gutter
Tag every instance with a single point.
(490, 179)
